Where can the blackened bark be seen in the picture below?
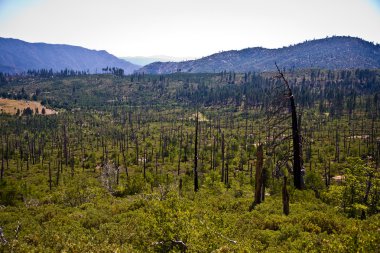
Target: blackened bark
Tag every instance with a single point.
(259, 179)
(144, 163)
(196, 186)
(65, 144)
(2, 165)
(222, 179)
(180, 151)
(50, 179)
(297, 159)
(285, 197)
(58, 171)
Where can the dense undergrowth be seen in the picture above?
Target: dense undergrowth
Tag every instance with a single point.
(113, 171)
(83, 217)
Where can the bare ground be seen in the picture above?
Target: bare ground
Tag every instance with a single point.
(10, 106)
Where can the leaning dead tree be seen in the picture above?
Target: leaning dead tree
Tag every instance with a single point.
(297, 158)
(283, 139)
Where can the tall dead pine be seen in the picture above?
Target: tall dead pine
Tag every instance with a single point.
(223, 149)
(196, 186)
(297, 159)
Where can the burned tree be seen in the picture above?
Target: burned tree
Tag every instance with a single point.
(296, 138)
(196, 186)
(259, 178)
(285, 197)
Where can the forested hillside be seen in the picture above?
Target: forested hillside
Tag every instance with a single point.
(17, 56)
(191, 163)
(330, 53)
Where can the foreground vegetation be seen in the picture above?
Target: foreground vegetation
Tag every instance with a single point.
(114, 170)
(83, 217)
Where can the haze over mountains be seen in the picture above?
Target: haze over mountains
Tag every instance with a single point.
(329, 53)
(338, 52)
(145, 60)
(18, 56)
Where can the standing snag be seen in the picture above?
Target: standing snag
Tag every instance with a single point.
(285, 197)
(196, 186)
(259, 178)
(297, 159)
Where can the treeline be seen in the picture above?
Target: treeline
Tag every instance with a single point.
(70, 72)
(3, 78)
(49, 73)
(115, 71)
(332, 92)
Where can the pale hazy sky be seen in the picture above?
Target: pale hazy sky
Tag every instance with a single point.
(186, 27)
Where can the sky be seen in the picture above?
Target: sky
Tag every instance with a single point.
(186, 28)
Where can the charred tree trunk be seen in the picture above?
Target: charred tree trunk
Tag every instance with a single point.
(137, 149)
(196, 186)
(65, 144)
(72, 164)
(2, 165)
(58, 171)
(297, 159)
(285, 197)
(180, 187)
(50, 179)
(259, 178)
(180, 151)
(125, 162)
(226, 179)
(144, 163)
(222, 179)
(213, 154)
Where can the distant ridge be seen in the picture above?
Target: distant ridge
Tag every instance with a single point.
(145, 60)
(338, 52)
(19, 56)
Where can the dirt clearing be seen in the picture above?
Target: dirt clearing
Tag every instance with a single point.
(10, 106)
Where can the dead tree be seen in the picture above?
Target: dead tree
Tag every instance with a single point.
(223, 149)
(259, 188)
(297, 159)
(180, 151)
(2, 165)
(65, 141)
(144, 163)
(226, 171)
(196, 186)
(285, 197)
(58, 172)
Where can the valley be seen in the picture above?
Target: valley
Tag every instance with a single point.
(168, 163)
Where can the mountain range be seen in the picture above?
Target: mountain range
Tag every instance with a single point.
(338, 52)
(18, 56)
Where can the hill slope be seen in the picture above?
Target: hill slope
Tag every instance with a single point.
(19, 56)
(145, 60)
(329, 53)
